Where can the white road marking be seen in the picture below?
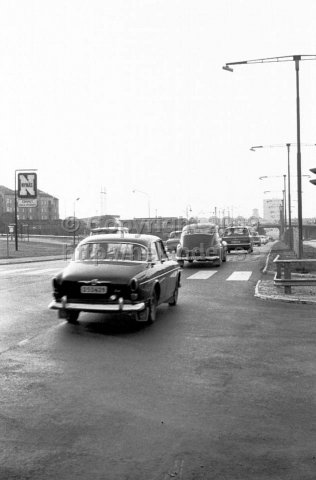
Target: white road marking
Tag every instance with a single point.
(27, 271)
(16, 270)
(239, 276)
(202, 275)
(44, 270)
(23, 342)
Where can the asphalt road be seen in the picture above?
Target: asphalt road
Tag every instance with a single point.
(222, 386)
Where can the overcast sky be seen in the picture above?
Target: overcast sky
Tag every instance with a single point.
(120, 95)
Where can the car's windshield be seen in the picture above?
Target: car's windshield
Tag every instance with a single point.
(236, 231)
(107, 251)
(205, 229)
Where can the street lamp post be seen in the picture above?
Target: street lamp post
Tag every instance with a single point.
(288, 146)
(296, 59)
(148, 199)
(77, 199)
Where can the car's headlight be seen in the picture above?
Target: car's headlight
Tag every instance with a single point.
(133, 284)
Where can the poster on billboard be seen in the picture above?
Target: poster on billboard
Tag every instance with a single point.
(27, 189)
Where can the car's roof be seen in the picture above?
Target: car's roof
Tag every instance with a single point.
(121, 237)
(192, 226)
(237, 226)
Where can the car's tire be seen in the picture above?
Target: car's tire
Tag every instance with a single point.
(181, 263)
(174, 300)
(153, 308)
(142, 316)
(219, 262)
(250, 250)
(72, 316)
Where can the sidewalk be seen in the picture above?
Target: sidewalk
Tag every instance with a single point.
(47, 258)
(265, 288)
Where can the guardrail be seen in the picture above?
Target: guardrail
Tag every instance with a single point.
(283, 276)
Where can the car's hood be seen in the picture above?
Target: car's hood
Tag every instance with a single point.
(115, 272)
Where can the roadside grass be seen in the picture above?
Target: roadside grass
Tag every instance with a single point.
(31, 249)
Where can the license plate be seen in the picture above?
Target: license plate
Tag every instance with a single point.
(93, 289)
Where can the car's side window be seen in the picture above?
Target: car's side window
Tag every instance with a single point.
(161, 251)
(154, 254)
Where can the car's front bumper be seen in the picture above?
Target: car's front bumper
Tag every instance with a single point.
(118, 307)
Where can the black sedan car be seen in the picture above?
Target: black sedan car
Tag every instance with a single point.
(173, 241)
(129, 273)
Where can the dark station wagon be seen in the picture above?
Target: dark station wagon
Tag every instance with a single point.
(238, 238)
(201, 242)
(130, 274)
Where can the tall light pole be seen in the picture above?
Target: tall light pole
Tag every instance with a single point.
(296, 59)
(148, 199)
(187, 210)
(77, 199)
(288, 146)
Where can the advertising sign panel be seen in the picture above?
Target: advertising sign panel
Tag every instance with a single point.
(27, 189)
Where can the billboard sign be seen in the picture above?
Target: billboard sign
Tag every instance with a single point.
(27, 185)
(27, 202)
(27, 189)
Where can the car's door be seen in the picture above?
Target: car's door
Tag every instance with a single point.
(168, 272)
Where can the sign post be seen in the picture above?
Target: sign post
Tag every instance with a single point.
(25, 194)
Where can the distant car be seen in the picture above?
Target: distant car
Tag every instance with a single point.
(113, 274)
(264, 239)
(201, 242)
(238, 238)
(256, 239)
(109, 230)
(173, 241)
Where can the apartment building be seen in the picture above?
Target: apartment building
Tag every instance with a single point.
(47, 206)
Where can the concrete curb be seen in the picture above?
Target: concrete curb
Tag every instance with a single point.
(281, 298)
(15, 261)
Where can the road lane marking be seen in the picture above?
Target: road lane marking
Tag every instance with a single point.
(23, 342)
(27, 271)
(32, 272)
(16, 270)
(239, 276)
(201, 275)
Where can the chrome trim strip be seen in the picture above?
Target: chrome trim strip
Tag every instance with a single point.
(176, 269)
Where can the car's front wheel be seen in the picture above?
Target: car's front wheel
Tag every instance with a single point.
(153, 308)
(143, 316)
(174, 300)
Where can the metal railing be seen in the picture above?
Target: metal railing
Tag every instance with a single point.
(284, 271)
